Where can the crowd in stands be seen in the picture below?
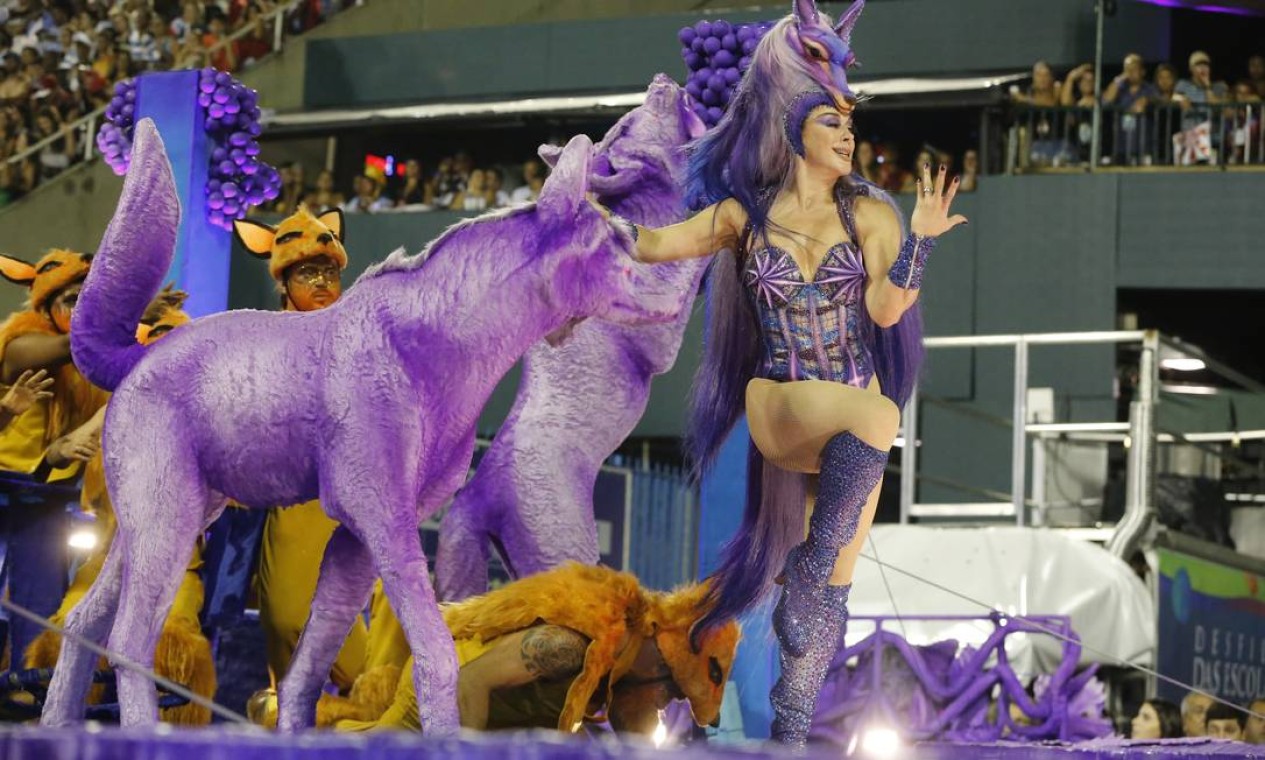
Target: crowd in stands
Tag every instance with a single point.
(61, 59)
(456, 184)
(881, 164)
(1153, 116)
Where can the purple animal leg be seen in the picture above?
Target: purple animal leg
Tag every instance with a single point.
(374, 491)
(461, 564)
(342, 592)
(91, 619)
(407, 585)
(173, 510)
(538, 541)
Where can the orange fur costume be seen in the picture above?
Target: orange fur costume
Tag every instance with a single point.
(183, 654)
(74, 399)
(608, 607)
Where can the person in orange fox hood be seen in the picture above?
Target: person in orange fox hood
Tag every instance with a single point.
(51, 439)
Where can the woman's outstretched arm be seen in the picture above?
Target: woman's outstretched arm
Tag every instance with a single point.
(710, 230)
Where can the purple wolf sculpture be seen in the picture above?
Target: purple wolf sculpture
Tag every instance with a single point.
(369, 404)
(532, 493)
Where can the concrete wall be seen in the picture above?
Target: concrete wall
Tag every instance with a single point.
(71, 212)
(280, 77)
(560, 54)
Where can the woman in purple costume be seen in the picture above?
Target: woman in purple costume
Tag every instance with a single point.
(813, 331)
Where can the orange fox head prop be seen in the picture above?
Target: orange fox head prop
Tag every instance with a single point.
(163, 315)
(701, 675)
(46, 277)
(296, 238)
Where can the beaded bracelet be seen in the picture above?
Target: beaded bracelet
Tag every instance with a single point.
(906, 271)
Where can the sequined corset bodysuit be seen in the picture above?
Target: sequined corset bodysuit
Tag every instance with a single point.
(812, 330)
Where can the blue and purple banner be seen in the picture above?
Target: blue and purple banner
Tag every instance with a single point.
(1211, 627)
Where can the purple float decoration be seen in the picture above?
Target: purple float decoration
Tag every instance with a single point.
(940, 692)
(231, 119)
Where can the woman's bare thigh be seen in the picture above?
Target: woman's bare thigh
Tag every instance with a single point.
(792, 421)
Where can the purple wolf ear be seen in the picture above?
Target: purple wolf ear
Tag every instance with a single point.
(806, 12)
(564, 191)
(549, 154)
(849, 20)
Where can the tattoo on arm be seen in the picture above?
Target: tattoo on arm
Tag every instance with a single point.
(552, 652)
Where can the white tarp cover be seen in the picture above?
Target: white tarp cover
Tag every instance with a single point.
(1016, 571)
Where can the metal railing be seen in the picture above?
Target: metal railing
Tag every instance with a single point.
(1224, 134)
(1138, 434)
(85, 128)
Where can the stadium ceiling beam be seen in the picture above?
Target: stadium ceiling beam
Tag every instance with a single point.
(880, 90)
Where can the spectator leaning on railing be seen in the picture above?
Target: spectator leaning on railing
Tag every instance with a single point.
(1199, 90)
(1078, 89)
(1256, 74)
(1165, 83)
(368, 198)
(1131, 94)
(1130, 91)
(1044, 90)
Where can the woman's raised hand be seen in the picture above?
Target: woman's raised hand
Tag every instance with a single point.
(931, 215)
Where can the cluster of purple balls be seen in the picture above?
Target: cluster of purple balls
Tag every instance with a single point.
(114, 140)
(717, 54)
(237, 178)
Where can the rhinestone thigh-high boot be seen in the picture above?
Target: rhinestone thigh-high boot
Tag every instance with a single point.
(794, 696)
(810, 615)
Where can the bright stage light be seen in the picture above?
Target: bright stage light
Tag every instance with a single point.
(83, 539)
(1183, 364)
(660, 734)
(880, 741)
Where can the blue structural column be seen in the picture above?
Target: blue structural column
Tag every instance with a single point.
(201, 263)
(723, 497)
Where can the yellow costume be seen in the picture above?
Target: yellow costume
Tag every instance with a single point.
(295, 537)
(24, 442)
(606, 606)
(183, 653)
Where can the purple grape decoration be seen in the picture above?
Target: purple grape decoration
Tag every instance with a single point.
(238, 179)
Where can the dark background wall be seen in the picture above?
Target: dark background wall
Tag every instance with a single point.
(899, 37)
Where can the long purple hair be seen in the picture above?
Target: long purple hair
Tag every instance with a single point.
(748, 158)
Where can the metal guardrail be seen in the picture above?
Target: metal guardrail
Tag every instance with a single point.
(1020, 427)
(1168, 135)
(1138, 434)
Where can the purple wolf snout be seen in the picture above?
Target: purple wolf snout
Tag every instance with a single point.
(533, 491)
(369, 405)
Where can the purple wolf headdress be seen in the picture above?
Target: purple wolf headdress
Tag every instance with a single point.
(532, 494)
(369, 404)
(748, 157)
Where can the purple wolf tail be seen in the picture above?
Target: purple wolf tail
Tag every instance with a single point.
(129, 266)
(772, 522)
